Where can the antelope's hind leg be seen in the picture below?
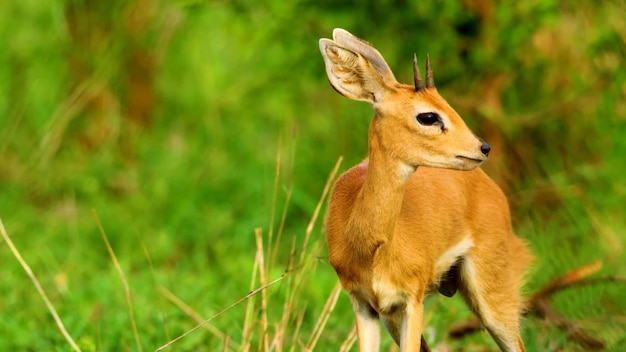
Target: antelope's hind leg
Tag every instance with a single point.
(393, 324)
(411, 325)
(491, 285)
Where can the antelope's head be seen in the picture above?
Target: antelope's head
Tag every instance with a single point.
(413, 124)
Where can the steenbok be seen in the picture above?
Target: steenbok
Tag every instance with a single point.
(418, 215)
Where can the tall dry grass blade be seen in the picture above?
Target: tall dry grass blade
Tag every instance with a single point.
(260, 289)
(225, 345)
(283, 218)
(195, 316)
(263, 341)
(66, 112)
(323, 319)
(146, 253)
(296, 284)
(129, 301)
(38, 287)
(299, 285)
(327, 187)
(349, 341)
(281, 330)
(274, 195)
(609, 233)
(571, 277)
(302, 262)
(295, 338)
(248, 326)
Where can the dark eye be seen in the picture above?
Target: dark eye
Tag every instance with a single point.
(428, 118)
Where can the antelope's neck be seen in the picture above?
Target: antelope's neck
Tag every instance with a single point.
(377, 206)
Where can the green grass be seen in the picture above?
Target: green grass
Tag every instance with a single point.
(228, 86)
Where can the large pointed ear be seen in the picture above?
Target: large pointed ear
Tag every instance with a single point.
(352, 74)
(350, 42)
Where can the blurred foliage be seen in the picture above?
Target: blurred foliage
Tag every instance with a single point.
(166, 118)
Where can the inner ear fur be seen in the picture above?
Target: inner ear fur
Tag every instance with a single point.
(351, 73)
(373, 56)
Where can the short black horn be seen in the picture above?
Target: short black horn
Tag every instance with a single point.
(430, 81)
(417, 76)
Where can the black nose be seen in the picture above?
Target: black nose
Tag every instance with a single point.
(485, 148)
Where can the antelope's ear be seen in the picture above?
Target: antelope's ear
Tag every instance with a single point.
(373, 56)
(352, 74)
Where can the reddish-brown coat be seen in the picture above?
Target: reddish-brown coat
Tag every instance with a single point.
(406, 215)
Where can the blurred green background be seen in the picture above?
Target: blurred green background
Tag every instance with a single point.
(166, 117)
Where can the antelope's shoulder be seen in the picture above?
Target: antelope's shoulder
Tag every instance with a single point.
(348, 184)
(342, 199)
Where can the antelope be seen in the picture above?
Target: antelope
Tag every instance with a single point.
(418, 215)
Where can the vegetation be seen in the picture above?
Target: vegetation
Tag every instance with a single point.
(187, 125)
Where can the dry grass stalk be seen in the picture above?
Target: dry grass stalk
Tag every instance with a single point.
(288, 308)
(38, 287)
(215, 316)
(304, 264)
(323, 319)
(275, 195)
(296, 335)
(161, 315)
(327, 187)
(225, 345)
(66, 112)
(272, 337)
(247, 322)
(122, 277)
(566, 280)
(195, 316)
(287, 201)
(349, 341)
(263, 276)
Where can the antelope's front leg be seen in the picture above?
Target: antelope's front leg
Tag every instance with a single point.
(411, 333)
(367, 325)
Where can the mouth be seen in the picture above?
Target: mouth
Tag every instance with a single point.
(462, 157)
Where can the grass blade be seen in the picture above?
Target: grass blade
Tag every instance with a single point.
(263, 341)
(42, 293)
(323, 319)
(349, 341)
(195, 316)
(327, 187)
(251, 294)
(122, 277)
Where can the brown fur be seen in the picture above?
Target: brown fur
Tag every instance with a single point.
(396, 225)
